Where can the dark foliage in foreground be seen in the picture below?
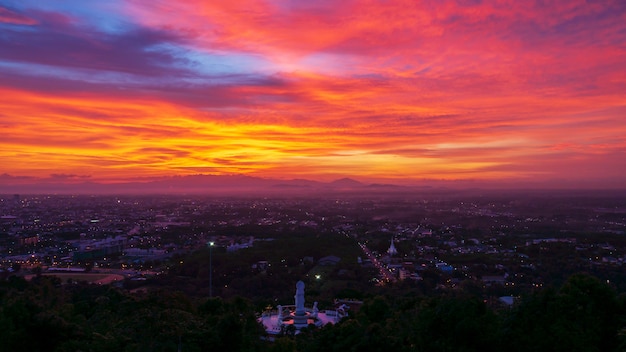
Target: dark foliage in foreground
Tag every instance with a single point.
(44, 316)
(584, 314)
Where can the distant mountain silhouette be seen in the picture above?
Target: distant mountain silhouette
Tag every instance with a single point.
(210, 184)
(346, 182)
(225, 185)
(384, 185)
(298, 183)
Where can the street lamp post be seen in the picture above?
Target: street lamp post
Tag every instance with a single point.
(211, 268)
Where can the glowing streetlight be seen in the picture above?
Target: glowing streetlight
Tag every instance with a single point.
(211, 244)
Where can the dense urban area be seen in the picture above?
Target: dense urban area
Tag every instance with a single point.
(437, 270)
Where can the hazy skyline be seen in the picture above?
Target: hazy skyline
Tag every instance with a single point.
(507, 92)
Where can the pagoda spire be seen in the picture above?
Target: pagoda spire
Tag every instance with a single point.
(392, 249)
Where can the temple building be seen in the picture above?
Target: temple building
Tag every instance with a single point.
(392, 249)
(297, 316)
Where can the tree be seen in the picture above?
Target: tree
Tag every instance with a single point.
(583, 315)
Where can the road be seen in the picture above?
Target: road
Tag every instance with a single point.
(385, 274)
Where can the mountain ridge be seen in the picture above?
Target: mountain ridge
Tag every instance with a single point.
(199, 183)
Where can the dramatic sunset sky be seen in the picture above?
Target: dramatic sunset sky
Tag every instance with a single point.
(526, 92)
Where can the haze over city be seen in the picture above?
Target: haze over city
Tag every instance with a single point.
(481, 93)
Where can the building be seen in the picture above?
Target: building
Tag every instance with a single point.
(392, 249)
(329, 260)
(94, 250)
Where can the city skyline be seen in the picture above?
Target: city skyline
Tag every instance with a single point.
(527, 94)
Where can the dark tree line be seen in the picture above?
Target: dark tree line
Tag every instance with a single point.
(583, 314)
(44, 315)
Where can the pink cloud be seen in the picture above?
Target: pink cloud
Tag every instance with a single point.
(12, 17)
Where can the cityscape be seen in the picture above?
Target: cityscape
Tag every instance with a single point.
(348, 248)
(400, 236)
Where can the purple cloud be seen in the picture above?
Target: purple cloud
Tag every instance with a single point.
(59, 40)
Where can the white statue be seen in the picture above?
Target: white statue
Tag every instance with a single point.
(300, 298)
